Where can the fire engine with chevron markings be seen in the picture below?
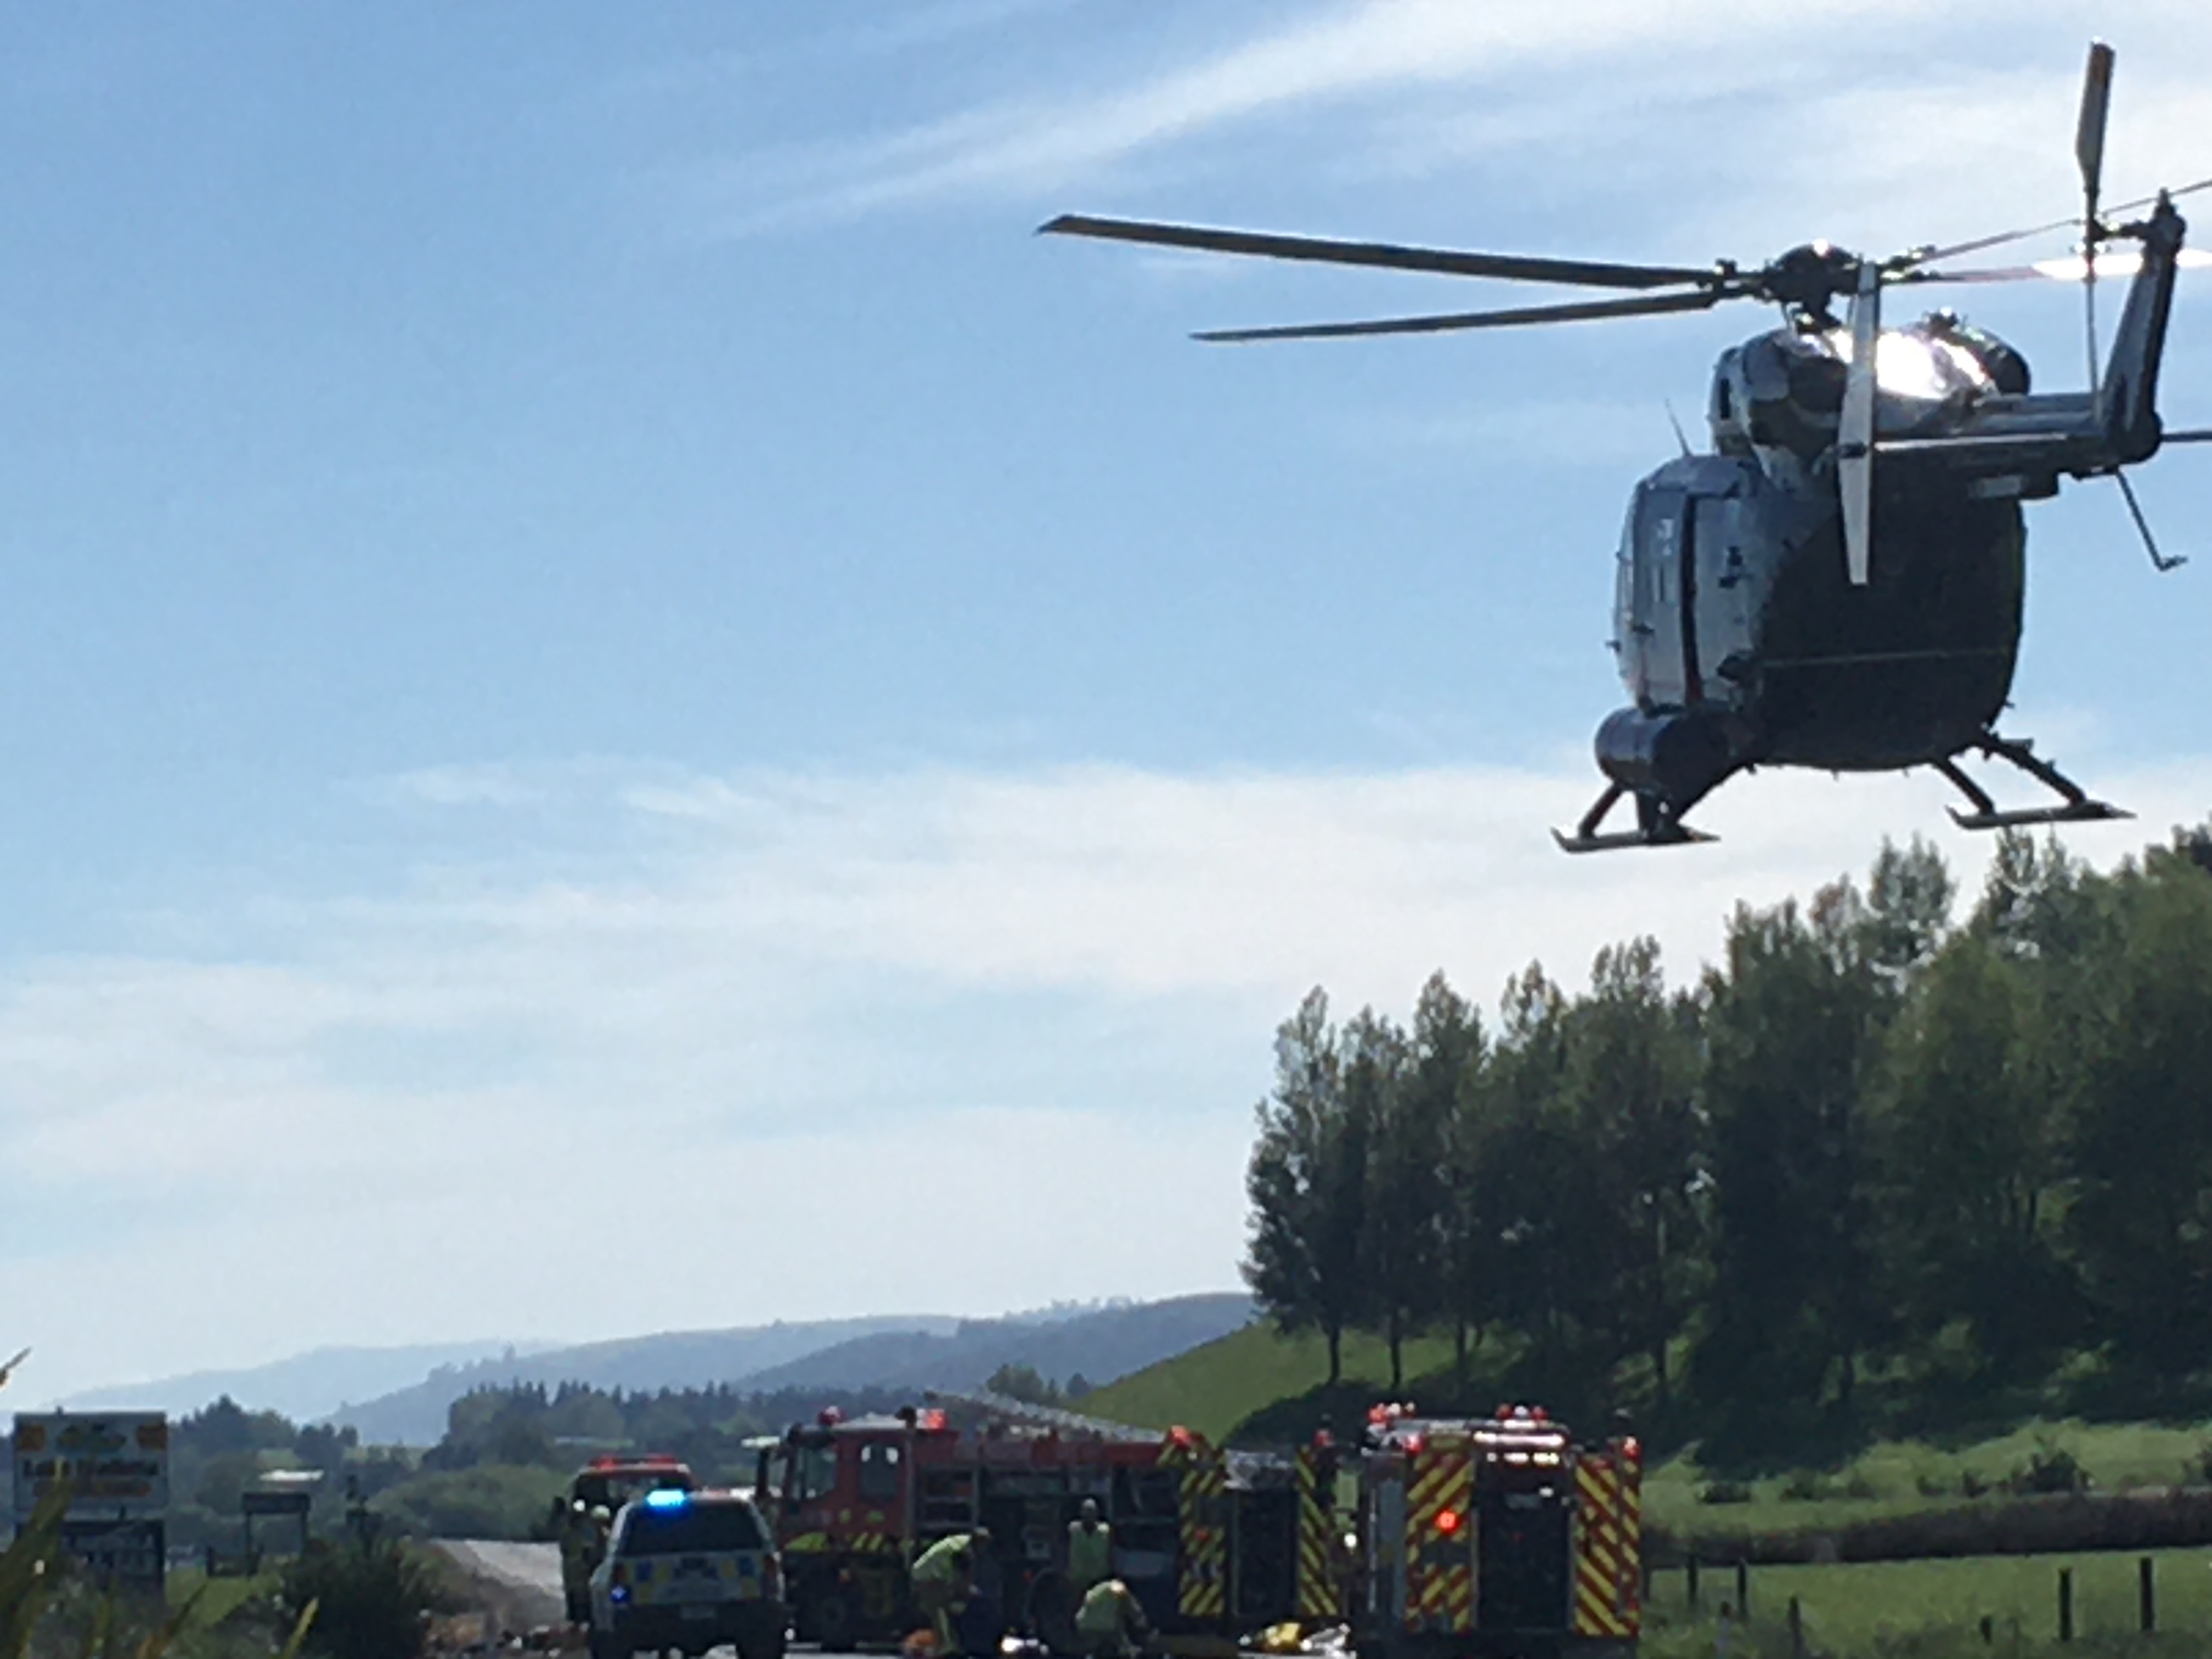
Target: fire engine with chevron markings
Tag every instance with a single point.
(1495, 1536)
(1489, 1538)
(1214, 1544)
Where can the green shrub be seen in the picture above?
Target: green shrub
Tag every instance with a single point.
(1805, 1487)
(2050, 1469)
(1724, 1492)
(371, 1598)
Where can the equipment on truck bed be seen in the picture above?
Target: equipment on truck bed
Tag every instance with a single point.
(582, 1519)
(1210, 1543)
(1495, 1536)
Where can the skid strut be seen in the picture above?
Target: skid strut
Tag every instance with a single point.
(2075, 805)
(1657, 825)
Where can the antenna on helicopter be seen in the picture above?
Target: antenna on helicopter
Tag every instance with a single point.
(2089, 153)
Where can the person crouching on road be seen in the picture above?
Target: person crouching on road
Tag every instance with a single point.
(944, 1577)
(1109, 1625)
(1090, 1552)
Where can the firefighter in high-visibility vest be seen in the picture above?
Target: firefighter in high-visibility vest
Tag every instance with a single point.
(1090, 1550)
(1109, 1625)
(944, 1576)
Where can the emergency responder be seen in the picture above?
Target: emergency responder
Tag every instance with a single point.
(944, 1576)
(1109, 1625)
(1090, 1550)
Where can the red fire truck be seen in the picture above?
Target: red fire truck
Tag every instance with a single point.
(1495, 1536)
(1214, 1544)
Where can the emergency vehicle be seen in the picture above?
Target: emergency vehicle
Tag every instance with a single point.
(1214, 1544)
(581, 1520)
(1495, 1536)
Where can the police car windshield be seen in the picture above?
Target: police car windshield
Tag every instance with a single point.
(693, 1529)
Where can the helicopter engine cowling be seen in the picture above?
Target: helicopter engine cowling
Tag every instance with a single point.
(1675, 756)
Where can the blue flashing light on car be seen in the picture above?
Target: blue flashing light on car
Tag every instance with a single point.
(667, 1497)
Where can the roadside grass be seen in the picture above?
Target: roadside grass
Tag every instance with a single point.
(1904, 1477)
(1935, 1608)
(217, 1598)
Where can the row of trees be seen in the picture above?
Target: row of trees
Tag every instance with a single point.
(1878, 1166)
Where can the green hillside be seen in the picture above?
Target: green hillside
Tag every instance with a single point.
(1214, 1388)
(1269, 1384)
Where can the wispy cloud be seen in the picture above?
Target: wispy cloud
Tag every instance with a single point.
(1772, 104)
(780, 983)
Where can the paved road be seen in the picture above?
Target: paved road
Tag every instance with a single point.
(522, 1580)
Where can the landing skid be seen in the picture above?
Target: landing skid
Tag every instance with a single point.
(2075, 805)
(1657, 825)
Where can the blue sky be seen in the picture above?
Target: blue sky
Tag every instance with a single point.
(589, 617)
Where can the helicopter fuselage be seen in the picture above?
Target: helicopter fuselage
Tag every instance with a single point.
(1739, 637)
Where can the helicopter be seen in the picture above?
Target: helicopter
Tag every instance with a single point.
(1838, 583)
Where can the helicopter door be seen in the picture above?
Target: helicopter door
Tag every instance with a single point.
(1723, 602)
(1660, 583)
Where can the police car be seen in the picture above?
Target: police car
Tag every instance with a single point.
(688, 1570)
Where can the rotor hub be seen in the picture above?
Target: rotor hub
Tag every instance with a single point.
(1810, 275)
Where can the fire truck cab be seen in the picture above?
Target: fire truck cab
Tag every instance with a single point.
(1495, 1537)
(1209, 1550)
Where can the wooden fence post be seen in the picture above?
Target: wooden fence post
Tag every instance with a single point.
(1796, 1630)
(1691, 1568)
(1742, 1589)
(2146, 1594)
(2065, 1604)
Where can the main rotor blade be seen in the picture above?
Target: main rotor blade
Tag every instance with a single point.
(1573, 312)
(1979, 244)
(2070, 268)
(1509, 267)
(1855, 430)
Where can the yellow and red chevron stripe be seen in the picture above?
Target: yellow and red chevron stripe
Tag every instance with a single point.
(1202, 1591)
(1608, 1540)
(1316, 1597)
(1439, 1535)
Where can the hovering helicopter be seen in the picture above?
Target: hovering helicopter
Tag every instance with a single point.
(1839, 584)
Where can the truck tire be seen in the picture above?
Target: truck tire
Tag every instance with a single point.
(835, 1623)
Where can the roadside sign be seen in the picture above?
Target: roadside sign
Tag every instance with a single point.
(117, 1463)
(122, 1555)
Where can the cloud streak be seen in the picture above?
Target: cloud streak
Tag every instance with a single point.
(1725, 93)
(776, 999)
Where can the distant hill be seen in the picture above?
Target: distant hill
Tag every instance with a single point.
(416, 1416)
(1099, 1346)
(303, 1387)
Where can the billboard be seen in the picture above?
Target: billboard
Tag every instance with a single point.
(117, 1463)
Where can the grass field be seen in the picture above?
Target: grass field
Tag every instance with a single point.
(1853, 1610)
(1889, 1479)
